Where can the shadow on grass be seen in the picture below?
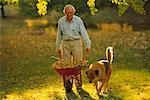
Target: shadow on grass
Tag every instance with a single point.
(71, 96)
(109, 97)
(84, 95)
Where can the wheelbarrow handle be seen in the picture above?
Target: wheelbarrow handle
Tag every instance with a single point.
(56, 58)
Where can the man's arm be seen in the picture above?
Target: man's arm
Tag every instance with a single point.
(58, 40)
(59, 37)
(84, 35)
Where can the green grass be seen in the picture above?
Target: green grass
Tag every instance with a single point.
(125, 84)
(26, 64)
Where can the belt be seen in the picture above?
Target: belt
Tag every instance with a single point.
(71, 39)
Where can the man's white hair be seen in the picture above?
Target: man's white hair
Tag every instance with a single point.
(69, 6)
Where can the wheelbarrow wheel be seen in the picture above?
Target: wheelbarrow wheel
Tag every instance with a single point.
(68, 86)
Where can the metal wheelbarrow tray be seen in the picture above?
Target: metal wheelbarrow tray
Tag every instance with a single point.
(73, 73)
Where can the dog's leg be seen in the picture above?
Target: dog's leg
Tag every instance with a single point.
(97, 91)
(96, 84)
(107, 79)
(98, 87)
(104, 86)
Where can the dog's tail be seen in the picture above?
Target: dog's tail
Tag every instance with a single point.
(109, 54)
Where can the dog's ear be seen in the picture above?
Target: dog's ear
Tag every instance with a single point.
(96, 72)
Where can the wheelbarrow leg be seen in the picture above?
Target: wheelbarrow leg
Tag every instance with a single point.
(64, 80)
(78, 80)
(68, 82)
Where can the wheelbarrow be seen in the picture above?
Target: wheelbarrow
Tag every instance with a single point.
(71, 72)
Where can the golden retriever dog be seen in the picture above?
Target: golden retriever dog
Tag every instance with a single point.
(99, 72)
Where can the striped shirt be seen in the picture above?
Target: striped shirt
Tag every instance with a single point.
(73, 30)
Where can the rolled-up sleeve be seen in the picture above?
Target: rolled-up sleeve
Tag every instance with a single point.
(59, 37)
(84, 34)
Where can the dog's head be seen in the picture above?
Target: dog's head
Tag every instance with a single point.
(93, 73)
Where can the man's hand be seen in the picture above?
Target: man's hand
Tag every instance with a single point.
(84, 61)
(86, 56)
(88, 50)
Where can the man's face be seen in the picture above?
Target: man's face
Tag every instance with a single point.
(69, 13)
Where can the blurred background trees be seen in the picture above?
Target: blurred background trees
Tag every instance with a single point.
(6, 2)
(29, 7)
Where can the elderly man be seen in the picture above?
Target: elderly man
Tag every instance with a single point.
(71, 31)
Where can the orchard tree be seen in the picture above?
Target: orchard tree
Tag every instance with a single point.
(6, 2)
(27, 7)
(136, 5)
(123, 5)
(41, 5)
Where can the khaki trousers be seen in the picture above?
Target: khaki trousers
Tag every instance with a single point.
(72, 51)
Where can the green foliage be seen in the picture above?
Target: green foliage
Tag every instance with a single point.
(58, 5)
(42, 7)
(28, 8)
(136, 5)
(33, 8)
(9, 1)
(91, 4)
(102, 3)
(12, 1)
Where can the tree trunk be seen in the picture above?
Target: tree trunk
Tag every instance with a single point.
(2, 10)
